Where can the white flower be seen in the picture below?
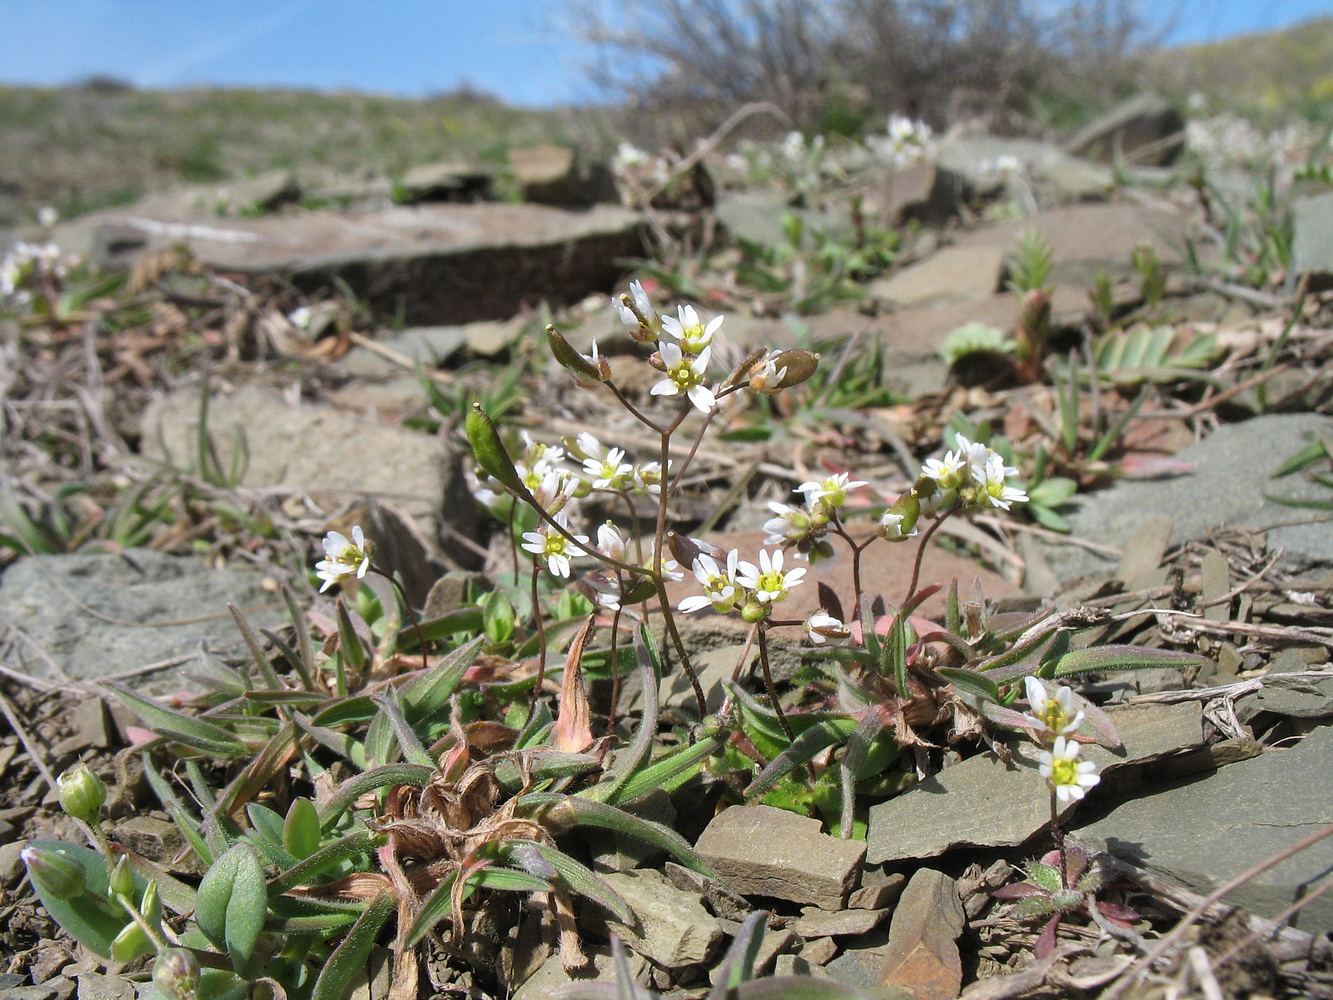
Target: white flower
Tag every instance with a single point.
(47, 216)
(721, 590)
(301, 317)
(1069, 777)
(586, 446)
(766, 376)
(822, 626)
(686, 327)
(831, 491)
(947, 471)
(609, 472)
(891, 526)
(768, 581)
(555, 548)
(610, 543)
(791, 525)
(638, 314)
(647, 479)
(991, 477)
(684, 374)
(343, 558)
(1054, 715)
(627, 157)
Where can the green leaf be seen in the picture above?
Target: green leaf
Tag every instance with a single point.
(434, 908)
(802, 749)
(508, 880)
(349, 958)
(368, 781)
(737, 964)
(663, 770)
(1098, 658)
(627, 761)
(187, 729)
(971, 682)
(550, 863)
(429, 694)
(89, 917)
(1045, 876)
(231, 902)
(301, 831)
(565, 812)
(353, 845)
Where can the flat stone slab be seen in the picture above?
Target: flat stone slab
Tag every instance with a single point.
(1233, 469)
(425, 263)
(89, 617)
(307, 447)
(672, 927)
(953, 274)
(1107, 233)
(1312, 238)
(763, 851)
(1208, 831)
(982, 802)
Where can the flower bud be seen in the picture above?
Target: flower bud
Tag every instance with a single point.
(54, 872)
(782, 370)
(122, 879)
(822, 626)
(131, 943)
(899, 521)
(81, 793)
(490, 450)
(586, 370)
(176, 974)
(754, 611)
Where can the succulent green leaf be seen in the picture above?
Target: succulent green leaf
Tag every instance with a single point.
(429, 694)
(232, 901)
(301, 831)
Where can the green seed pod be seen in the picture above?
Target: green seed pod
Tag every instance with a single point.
(490, 450)
(81, 793)
(176, 974)
(54, 872)
(583, 368)
(754, 612)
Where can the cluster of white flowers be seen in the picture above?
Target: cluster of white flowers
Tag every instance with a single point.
(682, 354)
(1055, 719)
(26, 265)
(1228, 140)
(1002, 168)
(737, 585)
(797, 152)
(804, 527)
(906, 142)
(971, 477)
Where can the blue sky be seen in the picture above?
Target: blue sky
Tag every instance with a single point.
(511, 48)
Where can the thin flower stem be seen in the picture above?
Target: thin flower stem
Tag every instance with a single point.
(921, 553)
(1058, 834)
(615, 668)
(411, 613)
(857, 548)
(634, 410)
(770, 686)
(541, 647)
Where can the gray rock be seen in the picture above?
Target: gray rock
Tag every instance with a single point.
(428, 264)
(314, 448)
(817, 923)
(1232, 473)
(546, 982)
(431, 345)
(1312, 239)
(672, 927)
(447, 181)
(762, 851)
(264, 192)
(1085, 238)
(94, 986)
(1059, 177)
(553, 175)
(1237, 816)
(757, 216)
(922, 955)
(953, 274)
(981, 802)
(772, 945)
(1145, 129)
(89, 617)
